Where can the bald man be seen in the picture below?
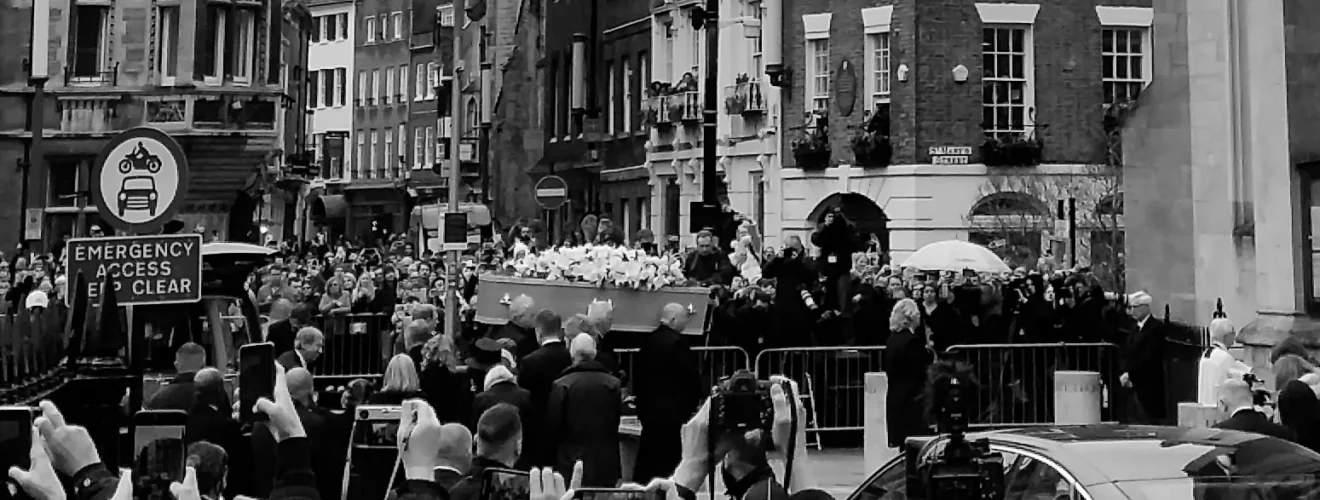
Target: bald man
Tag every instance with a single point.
(179, 393)
(667, 385)
(1142, 362)
(583, 416)
(455, 455)
(1217, 364)
(1237, 401)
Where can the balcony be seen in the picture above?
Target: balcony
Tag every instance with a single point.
(684, 107)
(91, 77)
(657, 114)
(745, 98)
(90, 114)
(230, 111)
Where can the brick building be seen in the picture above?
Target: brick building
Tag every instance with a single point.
(211, 76)
(988, 115)
(377, 197)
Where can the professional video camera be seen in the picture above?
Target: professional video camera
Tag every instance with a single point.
(740, 403)
(964, 470)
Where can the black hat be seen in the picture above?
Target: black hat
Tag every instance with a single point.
(485, 353)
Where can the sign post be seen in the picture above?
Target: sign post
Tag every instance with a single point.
(139, 181)
(551, 192)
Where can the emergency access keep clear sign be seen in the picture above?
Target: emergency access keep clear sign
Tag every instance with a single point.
(144, 270)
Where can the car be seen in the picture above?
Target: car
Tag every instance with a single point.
(138, 192)
(1111, 462)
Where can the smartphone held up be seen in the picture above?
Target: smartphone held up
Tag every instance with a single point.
(505, 484)
(159, 452)
(15, 445)
(256, 378)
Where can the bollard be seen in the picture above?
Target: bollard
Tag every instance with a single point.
(1196, 415)
(875, 433)
(1076, 398)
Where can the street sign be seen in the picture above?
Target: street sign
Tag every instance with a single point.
(140, 180)
(551, 192)
(164, 269)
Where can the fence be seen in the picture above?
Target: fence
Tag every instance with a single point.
(31, 348)
(1017, 380)
(714, 362)
(356, 345)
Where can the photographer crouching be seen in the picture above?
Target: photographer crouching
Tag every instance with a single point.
(743, 425)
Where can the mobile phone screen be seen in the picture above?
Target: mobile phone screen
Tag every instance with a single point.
(256, 378)
(158, 452)
(15, 439)
(614, 494)
(504, 484)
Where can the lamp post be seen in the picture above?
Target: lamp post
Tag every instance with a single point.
(38, 75)
(487, 116)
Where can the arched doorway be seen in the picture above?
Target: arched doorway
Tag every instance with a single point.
(862, 211)
(1011, 225)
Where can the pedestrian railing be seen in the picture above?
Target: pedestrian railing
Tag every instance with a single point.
(356, 345)
(1015, 382)
(833, 379)
(31, 350)
(715, 362)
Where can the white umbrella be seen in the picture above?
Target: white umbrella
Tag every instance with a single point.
(955, 255)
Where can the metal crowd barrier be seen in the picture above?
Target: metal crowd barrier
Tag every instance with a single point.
(715, 362)
(1017, 380)
(831, 379)
(356, 345)
(31, 347)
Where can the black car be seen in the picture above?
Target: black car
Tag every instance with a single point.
(1104, 462)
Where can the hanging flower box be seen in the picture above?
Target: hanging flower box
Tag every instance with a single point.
(871, 149)
(1016, 150)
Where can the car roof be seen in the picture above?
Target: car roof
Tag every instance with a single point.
(1107, 453)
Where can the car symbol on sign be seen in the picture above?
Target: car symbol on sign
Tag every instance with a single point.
(138, 193)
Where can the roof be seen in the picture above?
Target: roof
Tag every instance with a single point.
(1106, 453)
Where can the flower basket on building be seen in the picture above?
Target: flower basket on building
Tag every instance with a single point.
(675, 111)
(812, 150)
(1014, 150)
(735, 104)
(871, 149)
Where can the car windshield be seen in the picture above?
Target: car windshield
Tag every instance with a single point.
(1264, 468)
(1245, 488)
(139, 183)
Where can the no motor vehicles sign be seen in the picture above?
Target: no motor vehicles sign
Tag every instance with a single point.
(144, 269)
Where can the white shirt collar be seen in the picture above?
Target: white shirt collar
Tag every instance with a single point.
(1141, 323)
(551, 340)
(1240, 410)
(301, 358)
(448, 468)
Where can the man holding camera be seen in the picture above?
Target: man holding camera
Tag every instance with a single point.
(792, 273)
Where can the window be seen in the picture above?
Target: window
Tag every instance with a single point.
(447, 15)
(403, 83)
(375, 155)
(360, 158)
(318, 29)
(327, 30)
(342, 24)
(473, 125)
(91, 43)
(430, 150)
(627, 94)
(384, 27)
(213, 63)
(169, 41)
(432, 80)
(398, 26)
(758, 198)
(1123, 54)
(370, 28)
(1006, 98)
(877, 70)
(419, 143)
(818, 64)
(361, 87)
(327, 90)
(390, 158)
(375, 85)
(667, 72)
(313, 89)
(419, 93)
(755, 46)
(243, 50)
(443, 128)
(402, 160)
(389, 86)
(613, 95)
(341, 86)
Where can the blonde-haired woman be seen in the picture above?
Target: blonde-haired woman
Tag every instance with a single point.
(907, 358)
(401, 382)
(448, 390)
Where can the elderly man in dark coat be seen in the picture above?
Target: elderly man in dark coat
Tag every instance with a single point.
(521, 326)
(1142, 361)
(501, 387)
(582, 418)
(668, 388)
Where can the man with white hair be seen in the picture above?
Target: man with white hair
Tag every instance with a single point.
(1218, 365)
(1238, 402)
(520, 328)
(1142, 361)
(667, 385)
(583, 416)
(501, 386)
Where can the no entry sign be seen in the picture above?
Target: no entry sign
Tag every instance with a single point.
(551, 192)
(144, 269)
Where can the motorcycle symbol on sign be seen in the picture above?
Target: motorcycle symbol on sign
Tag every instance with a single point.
(140, 159)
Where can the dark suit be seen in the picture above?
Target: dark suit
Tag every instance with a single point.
(447, 478)
(179, 394)
(668, 388)
(1249, 420)
(583, 416)
(524, 338)
(328, 435)
(537, 372)
(281, 333)
(290, 360)
(1143, 360)
(504, 392)
(469, 487)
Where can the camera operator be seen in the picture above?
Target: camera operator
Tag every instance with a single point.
(791, 271)
(837, 239)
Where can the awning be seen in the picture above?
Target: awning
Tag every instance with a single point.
(331, 207)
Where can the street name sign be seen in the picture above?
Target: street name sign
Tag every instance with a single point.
(164, 269)
(140, 180)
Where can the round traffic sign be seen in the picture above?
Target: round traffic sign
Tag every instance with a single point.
(139, 180)
(551, 192)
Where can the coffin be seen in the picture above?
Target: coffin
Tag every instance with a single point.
(634, 310)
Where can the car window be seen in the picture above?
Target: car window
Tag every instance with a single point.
(1031, 479)
(890, 483)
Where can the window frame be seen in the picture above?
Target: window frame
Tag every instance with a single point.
(612, 95)
(419, 141)
(816, 33)
(215, 74)
(1108, 60)
(389, 158)
(430, 145)
(419, 75)
(375, 154)
(1028, 79)
(755, 44)
(628, 74)
(387, 96)
(875, 73)
(168, 53)
(403, 84)
(245, 47)
(341, 86)
(402, 161)
(362, 87)
(397, 20)
(103, 64)
(361, 155)
(374, 96)
(370, 27)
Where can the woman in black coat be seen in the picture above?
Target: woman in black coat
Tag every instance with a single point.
(907, 359)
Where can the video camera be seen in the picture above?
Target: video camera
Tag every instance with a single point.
(963, 470)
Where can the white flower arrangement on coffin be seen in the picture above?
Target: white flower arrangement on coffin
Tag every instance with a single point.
(601, 266)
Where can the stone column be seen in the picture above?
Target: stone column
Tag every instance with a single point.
(875, 430)
(1076, 398)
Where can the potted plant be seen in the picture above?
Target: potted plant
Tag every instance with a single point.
(812, 149)
(871, 149)
(1012, 150)
(735, 104)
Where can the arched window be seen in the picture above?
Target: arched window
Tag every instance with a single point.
(1009, 203)
(473, 117)
(1010, 224)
